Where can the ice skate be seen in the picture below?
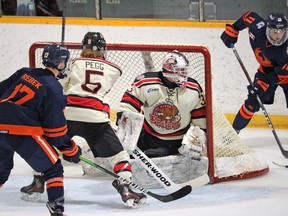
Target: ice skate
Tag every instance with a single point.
(33, 191)
(54, 209)
(129, 197)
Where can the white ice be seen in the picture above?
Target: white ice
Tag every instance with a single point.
(266, 195)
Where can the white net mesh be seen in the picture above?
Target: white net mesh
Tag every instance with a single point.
(231, 157)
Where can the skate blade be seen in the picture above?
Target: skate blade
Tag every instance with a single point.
(34, 197)
(129, 203)
(132, 204)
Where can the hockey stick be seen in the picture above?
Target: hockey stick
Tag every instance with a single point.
(280, 165)
(163, 198)
(63, 22)
(284, 152)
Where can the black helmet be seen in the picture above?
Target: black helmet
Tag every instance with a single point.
(277, 22)
(53, 54)
(94, 41)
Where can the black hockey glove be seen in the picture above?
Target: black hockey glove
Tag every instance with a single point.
(72, 154)
(258, 88)
(229, 36)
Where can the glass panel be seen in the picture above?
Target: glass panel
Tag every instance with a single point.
(145, 9)
(232, 10)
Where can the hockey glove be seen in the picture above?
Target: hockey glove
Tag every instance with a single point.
(193, 143)
(257, 89)
(72, 154)
(229, 36)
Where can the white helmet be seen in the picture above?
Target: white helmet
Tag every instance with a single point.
(175, 67)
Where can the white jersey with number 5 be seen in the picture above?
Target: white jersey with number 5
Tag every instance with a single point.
(89, 81)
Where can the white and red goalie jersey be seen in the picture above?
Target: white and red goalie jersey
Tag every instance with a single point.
(169, 110)
(90, 79)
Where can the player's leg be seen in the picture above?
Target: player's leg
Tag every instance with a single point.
(103, 142)
(245, 114)
(48, 163)
(55, 189)
(33, 191)
(120, 160)
(252, 106)
(6, 159)
(155, 147)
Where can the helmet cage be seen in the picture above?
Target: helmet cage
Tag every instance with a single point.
(176, 68)
(277, 24)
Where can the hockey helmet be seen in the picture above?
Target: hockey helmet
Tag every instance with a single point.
(52, 56)
(94, 41)
(277, 28)
(175, 67)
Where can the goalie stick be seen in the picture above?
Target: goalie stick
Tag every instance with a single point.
(161, 177)
(280, 165)
(283, 151)
(163, 198)
(128, 132)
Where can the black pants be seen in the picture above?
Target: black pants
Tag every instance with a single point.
(100, 137)
(155, 147)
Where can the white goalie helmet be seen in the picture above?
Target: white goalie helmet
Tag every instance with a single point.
(175, 67)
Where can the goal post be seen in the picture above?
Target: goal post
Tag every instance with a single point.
(229, 157)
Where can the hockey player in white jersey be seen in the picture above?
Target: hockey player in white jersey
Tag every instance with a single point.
(173, 106)
(88, 114)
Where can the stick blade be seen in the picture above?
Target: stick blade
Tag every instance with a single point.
(280, 165)
(173, 196)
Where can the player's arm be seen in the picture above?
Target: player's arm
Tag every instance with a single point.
(132, 100)
(249, 20)
(194, 141)
(198, 114)
(55, 127)
(282, 74)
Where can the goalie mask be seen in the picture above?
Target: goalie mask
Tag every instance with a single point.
(276, 30)
(53, 55)
(175, 68)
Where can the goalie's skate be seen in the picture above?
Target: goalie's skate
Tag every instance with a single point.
(54, 209)
(129, 197)
(33, 191)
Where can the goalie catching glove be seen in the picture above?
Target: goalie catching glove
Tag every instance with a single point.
(72, 154)
(193, 143)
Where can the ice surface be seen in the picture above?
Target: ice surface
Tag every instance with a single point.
(266, 195)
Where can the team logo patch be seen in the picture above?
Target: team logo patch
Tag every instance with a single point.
(165, 115)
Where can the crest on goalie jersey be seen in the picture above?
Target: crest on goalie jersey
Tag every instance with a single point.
(166, 115)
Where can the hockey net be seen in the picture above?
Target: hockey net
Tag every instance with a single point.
(229, 157)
